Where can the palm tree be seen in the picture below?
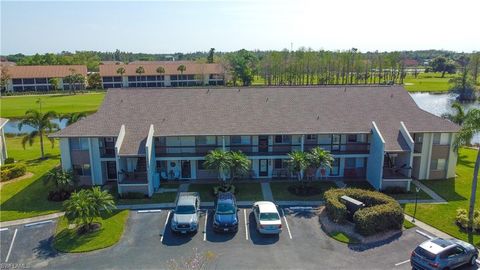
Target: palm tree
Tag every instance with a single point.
(160, 70)
(219, 161)
(73, 117)
(85, 205)
(140, 70)
(42, 125)
(319, 158)
(298, 163)
(471, 126)
(239, 164)
(121, 71)
(458, 117)
(182, 68)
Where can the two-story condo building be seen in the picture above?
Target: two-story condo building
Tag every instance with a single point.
(37, 78)
(140, 138)
(194, 74)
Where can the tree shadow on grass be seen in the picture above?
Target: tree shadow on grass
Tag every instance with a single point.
(465, 161)
(31, 200)
(38, 161)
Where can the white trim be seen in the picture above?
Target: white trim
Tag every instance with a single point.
(378, 131)
(132, 185)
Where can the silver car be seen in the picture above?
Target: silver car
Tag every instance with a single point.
(267, 218)
(442, 253)
(186, 213)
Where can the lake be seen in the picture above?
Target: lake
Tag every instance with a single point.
(437, 104)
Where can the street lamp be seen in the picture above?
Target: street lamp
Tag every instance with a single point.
(417, 189)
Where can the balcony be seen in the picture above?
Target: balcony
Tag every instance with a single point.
(417, 148)
(395, 173)
(107, 152)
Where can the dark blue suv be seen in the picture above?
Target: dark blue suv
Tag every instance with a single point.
(226, 217)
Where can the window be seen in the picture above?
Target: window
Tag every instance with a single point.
(201, 165)
(335, 167)
(281, 164)
(311, 137)
(28, 81)
(132, 78)
(41, 80)
(206, 140)
(82, 169)
(107, 79)
(350, 163)
(418, 138)
(173, 77)
(16, 81)
(436, 138)
(352, 138)
(79, 143)
(117, 79)
(438, 164)
(335, 139)
(282, 139)
(237, 140)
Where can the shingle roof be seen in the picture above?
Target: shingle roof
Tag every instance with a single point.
(56, 71)
(170, 68)
(255, 111)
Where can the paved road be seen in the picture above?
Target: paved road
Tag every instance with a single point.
(149, 244)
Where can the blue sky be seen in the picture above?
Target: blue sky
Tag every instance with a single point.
(186, 26)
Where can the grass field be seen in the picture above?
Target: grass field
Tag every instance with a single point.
(244, 192)
(344, 238)
(428, 82)
(28, 197)
(68, 240)
(457, 193)
(15, 106)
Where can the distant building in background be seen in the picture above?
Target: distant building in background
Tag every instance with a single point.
(3, 145)
(195, 74)
(37, 78)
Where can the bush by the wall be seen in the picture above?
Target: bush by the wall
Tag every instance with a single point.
(224, 188)
(9, 160)
(461, 219)
(11, 171)
(381, 212)
(133, 195)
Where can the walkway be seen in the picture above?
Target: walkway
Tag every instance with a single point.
(430, 192)
(429, 229)
(31, 220)
(267, 191)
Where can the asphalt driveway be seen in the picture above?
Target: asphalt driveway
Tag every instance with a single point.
(149, 244)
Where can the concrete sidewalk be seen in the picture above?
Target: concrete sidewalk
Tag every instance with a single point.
(31, 220)
(427, 228)
(430, 192)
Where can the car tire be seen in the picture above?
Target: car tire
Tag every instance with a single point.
(473, 260)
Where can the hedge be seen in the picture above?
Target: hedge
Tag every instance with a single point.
(381, 212)
(11, 171)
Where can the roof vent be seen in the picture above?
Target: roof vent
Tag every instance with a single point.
(391, 95)
(238, 89)
(318, 117)
(208, 91)
(163, 120)
(345, 89)
(266, 100)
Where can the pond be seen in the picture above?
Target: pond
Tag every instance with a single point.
(437, 104)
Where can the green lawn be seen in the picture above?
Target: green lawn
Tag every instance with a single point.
(113, 225)
(341, 237)
(407, 224)
(15, 106)
(28, 197)
(457, 193)
(401, 196)
(244, 191)
(281, 193)
(165, 197)
(428, 82)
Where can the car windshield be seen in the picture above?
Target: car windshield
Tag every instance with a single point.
(225, 209)
(425, 254)
(185, 209)
(269, 216)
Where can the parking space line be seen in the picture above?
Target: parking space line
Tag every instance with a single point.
(246, 224)
(3, 229)
(165, 226)
(286, 223)
(11, 245)
(400, 263)
(38, 223)
(205, 226)
(150, 211)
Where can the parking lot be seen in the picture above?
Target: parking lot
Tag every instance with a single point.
(148, 243)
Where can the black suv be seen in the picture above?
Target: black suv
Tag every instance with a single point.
(226, 217)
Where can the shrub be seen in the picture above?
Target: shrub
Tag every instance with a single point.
(133, 195)
(11, 171)
(381, 212)
(224, 188)
(9, 160)
(461, 219)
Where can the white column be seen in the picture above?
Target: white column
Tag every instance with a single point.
(223, 143)
(302, 143)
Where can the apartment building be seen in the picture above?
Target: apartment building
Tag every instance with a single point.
(138, 139)
(38, 78)
(146, 74)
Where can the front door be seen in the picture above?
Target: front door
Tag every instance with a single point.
(263, 144)
(111, 170)
(186, 169)
(263, 167)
